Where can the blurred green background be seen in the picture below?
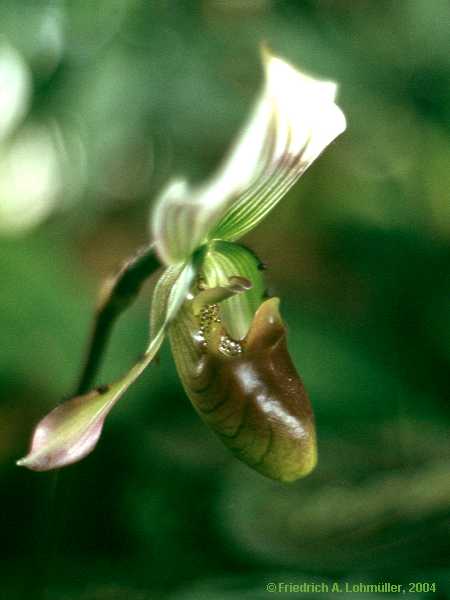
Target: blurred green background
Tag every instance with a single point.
(101, 103)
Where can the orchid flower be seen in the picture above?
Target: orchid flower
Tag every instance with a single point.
(228, 341)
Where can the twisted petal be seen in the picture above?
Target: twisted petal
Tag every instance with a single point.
(71, 430)
(293, 121)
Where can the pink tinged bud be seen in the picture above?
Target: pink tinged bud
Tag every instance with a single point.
(68, 433)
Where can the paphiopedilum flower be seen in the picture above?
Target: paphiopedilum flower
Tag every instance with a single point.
(228, 342)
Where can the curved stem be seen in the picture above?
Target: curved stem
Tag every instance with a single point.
(116, 295)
